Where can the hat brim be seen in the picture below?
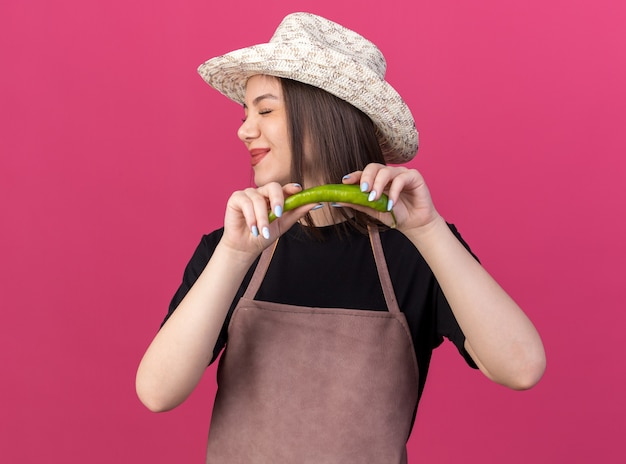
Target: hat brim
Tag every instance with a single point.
(398, 137)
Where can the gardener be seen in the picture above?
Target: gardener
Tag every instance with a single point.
(326, 317)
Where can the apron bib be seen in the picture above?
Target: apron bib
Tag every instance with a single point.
(314, 385)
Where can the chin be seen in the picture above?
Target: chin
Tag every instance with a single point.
(261, 180)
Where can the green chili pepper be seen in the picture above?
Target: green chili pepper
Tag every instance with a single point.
(336, 193)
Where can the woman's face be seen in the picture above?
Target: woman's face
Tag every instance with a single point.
(264, 131)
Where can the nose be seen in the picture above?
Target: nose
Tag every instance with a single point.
(249, 130)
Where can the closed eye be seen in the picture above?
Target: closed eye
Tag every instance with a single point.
(261, 112)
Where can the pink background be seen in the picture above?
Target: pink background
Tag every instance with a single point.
(115, 157)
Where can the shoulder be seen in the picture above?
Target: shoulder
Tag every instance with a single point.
(210, 240)
(395, 238)
(395, 242)
(204, 250)
(403, 257)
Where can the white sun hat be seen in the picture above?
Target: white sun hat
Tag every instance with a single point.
(311, 49)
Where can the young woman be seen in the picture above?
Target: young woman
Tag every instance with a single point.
(326, 318)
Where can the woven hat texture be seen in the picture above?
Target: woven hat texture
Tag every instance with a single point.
(311, 49)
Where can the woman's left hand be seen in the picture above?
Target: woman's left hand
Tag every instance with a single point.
(499, 337)
(409, 197)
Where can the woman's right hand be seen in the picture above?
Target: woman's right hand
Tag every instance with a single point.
(177, 357)
(247, 228)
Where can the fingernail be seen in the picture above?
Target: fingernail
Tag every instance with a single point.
(389, 205)
(266, 233)
(336, 205)
(255, 231)
(346, 177)
(278, 211)
(318, 206)
(297, 185)
(372, 195)
(364, 186)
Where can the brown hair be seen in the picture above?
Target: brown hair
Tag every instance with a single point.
(339, 137)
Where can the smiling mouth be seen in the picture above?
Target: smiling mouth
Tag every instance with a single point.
(257, 155)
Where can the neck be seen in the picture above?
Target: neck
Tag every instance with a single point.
(326, 216)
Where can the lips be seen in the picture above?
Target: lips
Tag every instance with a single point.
(257, 154)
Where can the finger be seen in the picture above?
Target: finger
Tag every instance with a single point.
(277, 210)
(352, 177)
(289, 218)
(380, 183)
(277, 194)
(405, 180)
(291, 189)
(259, 204)
(242, 202)
(239, 213)
(368, 176)
(276, 197)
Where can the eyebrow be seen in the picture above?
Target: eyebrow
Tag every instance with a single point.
(262, 97)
